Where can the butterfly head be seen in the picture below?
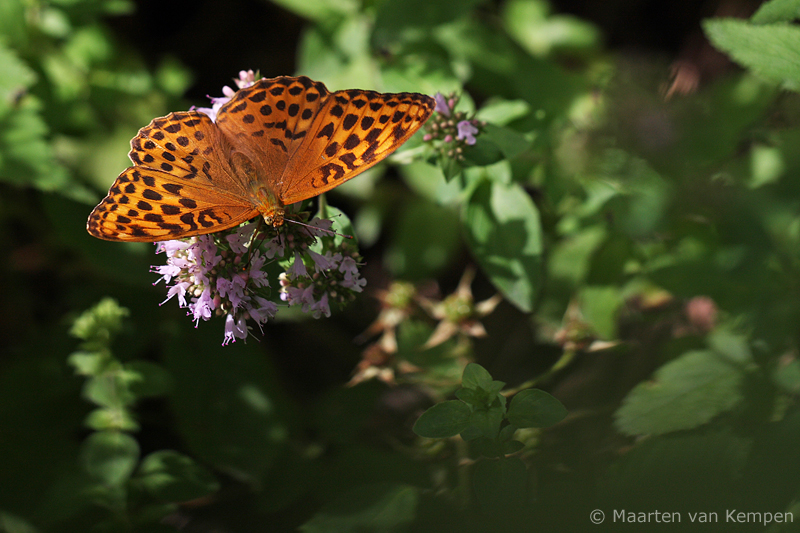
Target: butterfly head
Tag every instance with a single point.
(275, 219)
(267, 204)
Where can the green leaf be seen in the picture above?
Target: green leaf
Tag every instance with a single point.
(787, 376)
(341, 225)
(505, 236)
(111, 388)
(375, 507)
(530, 23)
(500, 112)
(112, 418)
(706, 464)
(507, 433)
(427, 180)
(394, 18)
(450, 167)
(777, 11)
(443, 420)
(771, 50)
(110, 456)
(512, 446)
(471, 396)
(731, 345)
(510, 142)
(767, 163)
(13, 25)
(480, 154)
(100, 323)
(172, 477)
(486, 422)
(438, 361)
(533, 408)
(26, 154)
(471, 433)
(416, 252)
(486, 447)
(570, 259)
(600, 306)
(684, 393)
(476, 377)
(15, 77)
(495, 387)
(88, 363)
(320, 10)
(609, 261)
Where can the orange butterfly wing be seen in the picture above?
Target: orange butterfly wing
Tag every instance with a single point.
(181, 185)
(355, 130)
(318, 140)
(288, 138)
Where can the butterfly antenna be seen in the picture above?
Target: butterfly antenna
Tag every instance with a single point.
(318, 229)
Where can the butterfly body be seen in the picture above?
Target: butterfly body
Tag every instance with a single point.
(278, 142)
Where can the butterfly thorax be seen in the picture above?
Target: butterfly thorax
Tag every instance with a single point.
(263, 198)
(267, 204)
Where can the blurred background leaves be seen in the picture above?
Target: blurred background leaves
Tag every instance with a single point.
(633, 196)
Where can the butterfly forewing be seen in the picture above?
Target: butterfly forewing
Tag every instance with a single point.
(181, 185)
(268, 120)
(353, 131)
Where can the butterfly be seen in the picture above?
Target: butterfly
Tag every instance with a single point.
(278, 142)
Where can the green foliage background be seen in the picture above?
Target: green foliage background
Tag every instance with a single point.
(647, 248)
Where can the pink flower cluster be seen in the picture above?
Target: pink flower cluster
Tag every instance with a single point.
(451, 127)
(223, 273)
(209, 277)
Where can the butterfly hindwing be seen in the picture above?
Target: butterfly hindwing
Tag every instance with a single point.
(150, 205)
(181, 185)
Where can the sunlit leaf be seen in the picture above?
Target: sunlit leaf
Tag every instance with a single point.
(504, 234)
(683, 394)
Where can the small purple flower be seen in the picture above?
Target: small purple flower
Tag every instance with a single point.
(180, 290)
(234, 329)
(167, 272)
(305, 298)
(202, 306)
(441, 104)
(449, 131)
(239, 239)
(467, 132)
(232, 289)
(354, 283)
(246, 79)
(257, 276)
(265, 310)
(352, 279)
(276, 247)
(324, 262)
(321, 307)
(298, 268)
